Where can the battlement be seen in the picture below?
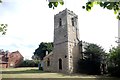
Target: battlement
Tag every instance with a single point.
(66, 11)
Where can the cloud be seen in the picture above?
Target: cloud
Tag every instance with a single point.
(13, 44)
(31, 22)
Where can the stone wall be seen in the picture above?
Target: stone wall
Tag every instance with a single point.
(48, 59)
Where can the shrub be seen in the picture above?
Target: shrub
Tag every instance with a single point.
(29, 63)
(89, 67)
(114, 71)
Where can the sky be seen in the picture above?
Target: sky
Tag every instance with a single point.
(31, 22)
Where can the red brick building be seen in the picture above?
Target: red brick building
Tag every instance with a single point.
(3, 60)
(12, 59)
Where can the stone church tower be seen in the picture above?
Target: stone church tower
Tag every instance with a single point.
(66, 42)
(66, 52)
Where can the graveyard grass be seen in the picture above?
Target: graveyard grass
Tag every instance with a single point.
(33, 72)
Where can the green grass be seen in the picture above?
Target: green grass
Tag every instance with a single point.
(34, 73)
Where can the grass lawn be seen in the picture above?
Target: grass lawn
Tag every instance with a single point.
(35, 73)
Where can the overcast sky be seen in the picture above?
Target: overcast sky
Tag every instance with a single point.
(31, 22)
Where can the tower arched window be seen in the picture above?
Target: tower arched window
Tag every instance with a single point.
(72, 21)
(60, 22)
(60, 64)
(48, 62)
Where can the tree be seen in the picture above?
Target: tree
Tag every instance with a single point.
(94, 57)
(114, 61)
(3, 28)
(114, 56)
(42, 49)
(93, 52)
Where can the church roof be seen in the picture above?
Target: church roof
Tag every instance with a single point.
(47, 56)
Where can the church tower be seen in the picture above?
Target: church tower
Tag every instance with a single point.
(66, 52)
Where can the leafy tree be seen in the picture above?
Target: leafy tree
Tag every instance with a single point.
(114, 56)
(54, 3)
(93, 52)
(41, 50)
(114, 61)
(94, 57)
(110, 5)
(3, 28)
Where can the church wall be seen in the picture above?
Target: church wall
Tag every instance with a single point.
(46, 67)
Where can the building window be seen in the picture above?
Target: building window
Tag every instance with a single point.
(65, 56)
(60, 22)
(48, 62)
(72, 21)
(70, 56)
(60, 64)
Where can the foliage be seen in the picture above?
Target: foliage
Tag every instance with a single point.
(42, 49)
(54, 3)
(3, 28)
(114, 71)
(108, 4)
(93, 57)
(114, 61)
(94, 67)
(105, 4)
(93, 52)
(114, 56)
(29, 63)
